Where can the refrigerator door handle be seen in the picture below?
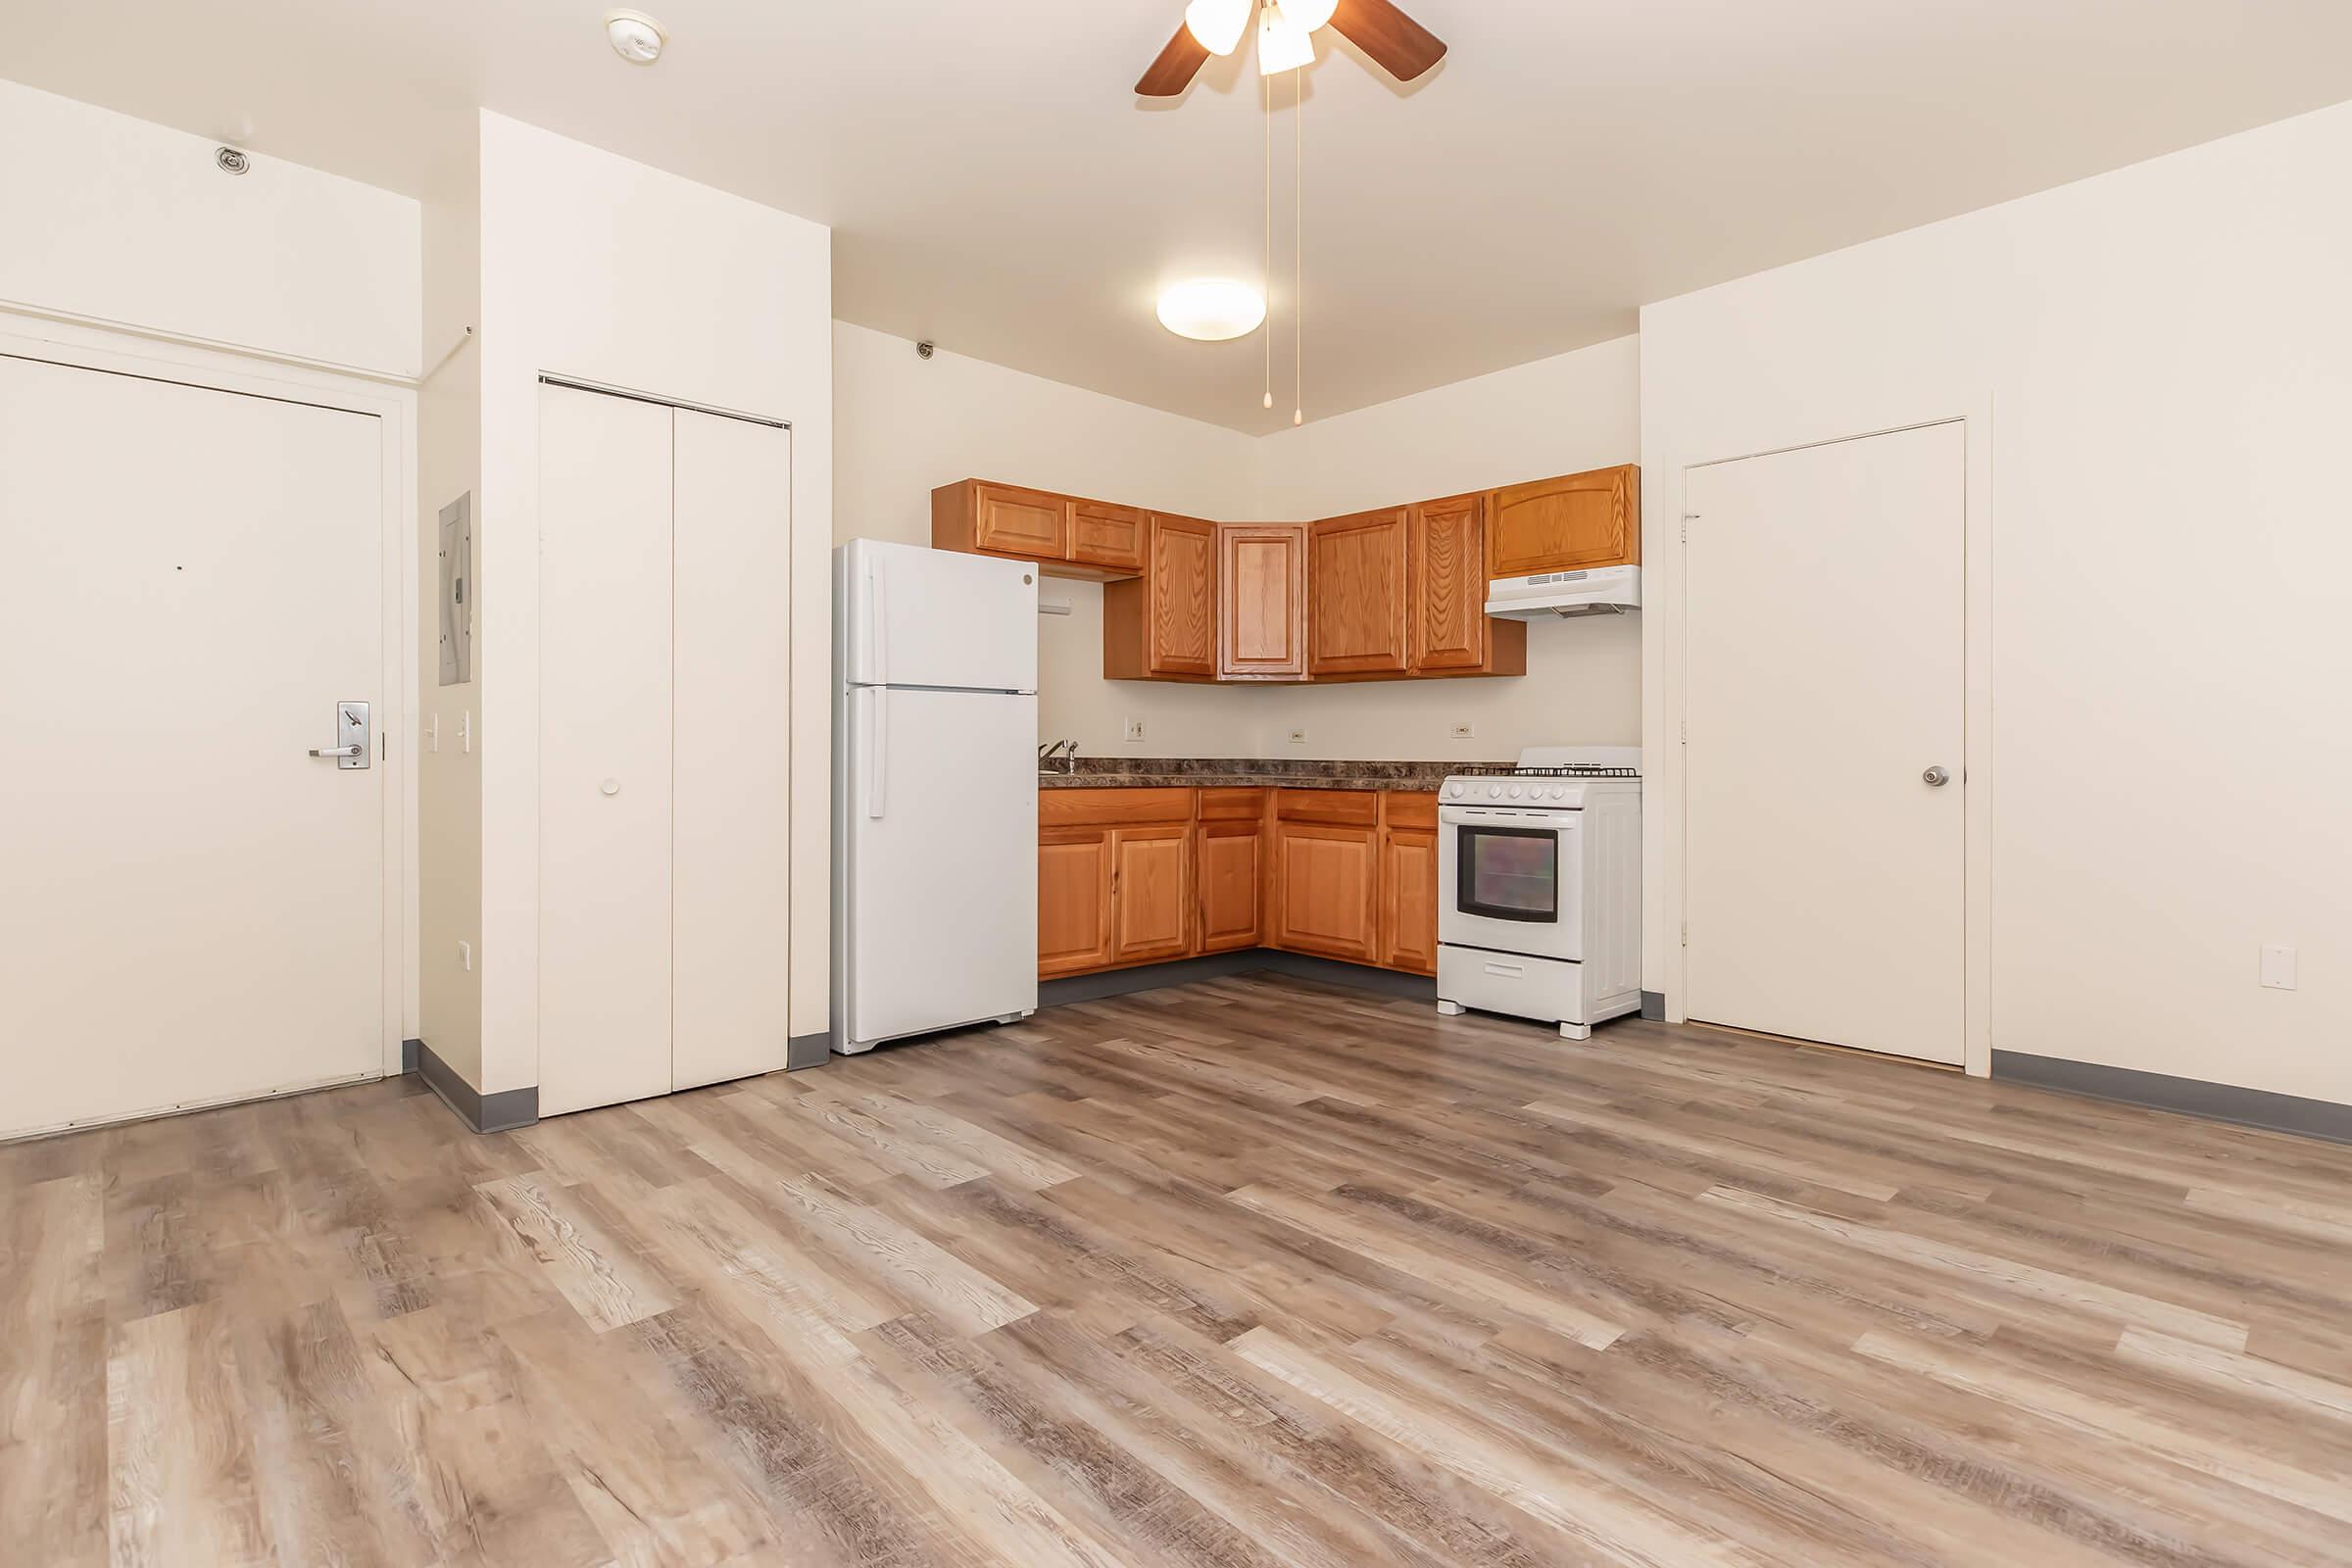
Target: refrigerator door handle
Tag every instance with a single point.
(877, 778)
(877, 620)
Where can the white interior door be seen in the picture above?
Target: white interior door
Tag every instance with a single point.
(1825, 873)
(193, 908)
(605, 753)
(733, 738)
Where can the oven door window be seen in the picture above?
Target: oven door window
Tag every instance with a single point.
(1509, 873)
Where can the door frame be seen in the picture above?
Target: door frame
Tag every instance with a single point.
(394, 408)
(1976, 770)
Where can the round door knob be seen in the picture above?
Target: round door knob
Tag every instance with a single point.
(1936, 777)
(611, 786)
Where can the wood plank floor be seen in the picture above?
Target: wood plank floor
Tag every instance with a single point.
(1247, 1272)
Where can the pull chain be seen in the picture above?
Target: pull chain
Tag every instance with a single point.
(1298, 248)
(1265, 96)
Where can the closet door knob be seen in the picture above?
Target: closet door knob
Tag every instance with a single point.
(611, 786)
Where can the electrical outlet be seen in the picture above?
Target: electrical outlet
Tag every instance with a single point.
(1464, 732)
(1297, 737)
(1135, 731)
(2277, 967)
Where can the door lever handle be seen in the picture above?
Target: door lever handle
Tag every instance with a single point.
(335, 751)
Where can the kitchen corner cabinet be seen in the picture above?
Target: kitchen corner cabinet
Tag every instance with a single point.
(1357, 571)
(1565, 524)
(1261, 603)
(1164, 624)
(1230, 865)
(1326, 852)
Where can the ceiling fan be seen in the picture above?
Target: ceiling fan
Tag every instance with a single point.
(1286, 29)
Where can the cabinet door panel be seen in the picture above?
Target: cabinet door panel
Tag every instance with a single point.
(1227, 865)
(1073, 901)
(1262, 605)
(1181, 579)
(1149, 897)
(1105, 535)
(1563, 524)
(1328, 901)
(1355, 581)
(1450, 585)
(1029, 523)
(1409, 899)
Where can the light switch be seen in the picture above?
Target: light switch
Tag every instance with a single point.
(2277, 967)
(433, 732)
(465, 730)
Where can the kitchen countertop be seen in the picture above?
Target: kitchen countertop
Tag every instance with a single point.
(1248, 772)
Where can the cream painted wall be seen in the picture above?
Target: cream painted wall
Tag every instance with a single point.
(2166, 355)
(599, 267)
(905, 425)
(136, 228)
(449, 463)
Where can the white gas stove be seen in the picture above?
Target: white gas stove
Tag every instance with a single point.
(1539, 887)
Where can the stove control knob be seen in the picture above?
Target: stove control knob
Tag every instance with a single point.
(1494, 789)
(1456, 790)
(1559, 792)
(1514, 792)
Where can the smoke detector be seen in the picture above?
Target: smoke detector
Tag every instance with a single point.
(636, 37)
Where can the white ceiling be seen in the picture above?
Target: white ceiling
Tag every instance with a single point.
(994, 183)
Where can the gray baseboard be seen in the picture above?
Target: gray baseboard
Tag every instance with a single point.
(501, 1112)
(1219, 966)
(408, 1055)
(1653, 1006)
(808, 1051)
(2193, 1097)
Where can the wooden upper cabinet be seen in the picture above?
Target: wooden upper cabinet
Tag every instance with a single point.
(1106, 536)
(1073, 901)
(1584, 519)
(1450, 584)
(1164, 624)
(1151, 893)
(1262, 601)
(1028, 523)
(1356, 574)
(1066, 536)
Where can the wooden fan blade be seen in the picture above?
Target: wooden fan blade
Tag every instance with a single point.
(1178, 64)
(1396, 43)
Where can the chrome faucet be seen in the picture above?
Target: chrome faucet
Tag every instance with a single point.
(1067, 751)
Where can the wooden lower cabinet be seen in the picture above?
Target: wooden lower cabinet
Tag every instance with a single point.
(1408, 899)
(1328, 899)
(1130, 876)
(1073, 901)
(1151, 893)
(1230, 865)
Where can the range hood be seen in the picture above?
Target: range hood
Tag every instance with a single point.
(1595, 591)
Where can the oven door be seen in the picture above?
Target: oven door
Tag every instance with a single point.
(1508, 881)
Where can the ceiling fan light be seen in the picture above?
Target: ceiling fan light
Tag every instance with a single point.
(1282, 44)
(1217, 26)
(1310, 13)
(1211, 310)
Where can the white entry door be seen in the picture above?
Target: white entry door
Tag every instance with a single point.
(1824, 862)
(191, 907)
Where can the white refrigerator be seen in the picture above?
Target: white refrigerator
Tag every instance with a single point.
(935, 791)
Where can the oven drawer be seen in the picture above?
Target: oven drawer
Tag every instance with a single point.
(1544, 989)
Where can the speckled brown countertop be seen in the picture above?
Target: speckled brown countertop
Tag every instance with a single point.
(1247, 773)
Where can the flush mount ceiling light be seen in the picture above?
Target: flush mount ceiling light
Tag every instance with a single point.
(636, 37)
(1211, 310)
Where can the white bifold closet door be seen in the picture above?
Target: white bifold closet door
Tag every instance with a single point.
(663, 744)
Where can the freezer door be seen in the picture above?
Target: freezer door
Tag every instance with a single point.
(938, 618)
(941, 922)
